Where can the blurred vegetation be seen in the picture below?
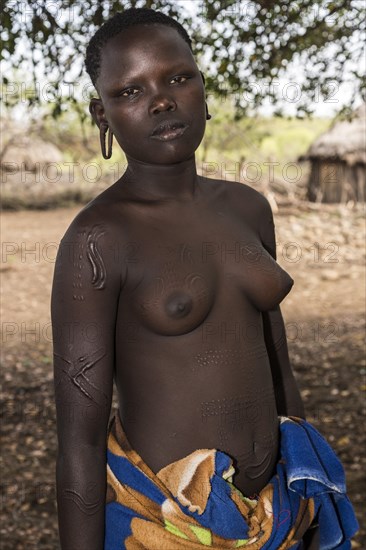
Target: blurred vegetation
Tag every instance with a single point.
(247, 51)
(252, 149)
(244, 48)
(256, 139)
(250, 139)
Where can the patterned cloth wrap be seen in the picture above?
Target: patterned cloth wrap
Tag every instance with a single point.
(192, 502)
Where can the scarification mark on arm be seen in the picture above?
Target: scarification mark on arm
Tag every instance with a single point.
(89, 508)
(78, 254)
(77, 374)
(98, 268)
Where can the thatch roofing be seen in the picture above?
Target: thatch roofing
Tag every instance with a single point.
(345, 141)
(24, 149)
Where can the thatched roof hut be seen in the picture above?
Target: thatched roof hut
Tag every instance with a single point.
(28, 153)
(338, 162)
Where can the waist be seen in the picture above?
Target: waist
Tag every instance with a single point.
(248, 434)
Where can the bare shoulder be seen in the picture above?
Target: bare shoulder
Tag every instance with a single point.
(241, 197)
(97, 240)
(98, 215)
(92, 251)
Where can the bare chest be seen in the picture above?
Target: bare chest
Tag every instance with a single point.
(178, 273)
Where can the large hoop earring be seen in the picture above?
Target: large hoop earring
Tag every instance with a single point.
(103, 129)
(208, 116)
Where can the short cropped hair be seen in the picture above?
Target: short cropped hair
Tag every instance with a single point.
(118, 23)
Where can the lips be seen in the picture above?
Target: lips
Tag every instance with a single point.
(169, 130)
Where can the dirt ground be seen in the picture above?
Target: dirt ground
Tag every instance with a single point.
(322, 249)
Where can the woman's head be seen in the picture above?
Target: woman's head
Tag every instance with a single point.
(151, 92)
(116, 25)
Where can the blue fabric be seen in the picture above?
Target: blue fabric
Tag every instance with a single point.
(221, 514)
(308, 469)
(285, 509)
(314, 470)
(322, 465)
(133, 477)
(118, 521)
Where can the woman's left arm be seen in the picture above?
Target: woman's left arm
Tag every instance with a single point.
(288, 398)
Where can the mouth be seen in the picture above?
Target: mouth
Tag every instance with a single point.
(169, 130)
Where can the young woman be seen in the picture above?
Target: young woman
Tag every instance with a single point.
(167, 283)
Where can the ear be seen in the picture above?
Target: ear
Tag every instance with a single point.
(203, 78)
(96, 110)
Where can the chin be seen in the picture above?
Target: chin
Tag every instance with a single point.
(173, 158)
(165, 153)
(162, 157)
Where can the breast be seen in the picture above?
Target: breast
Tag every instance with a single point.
(172, 290)
(262, 279)
(175, 299)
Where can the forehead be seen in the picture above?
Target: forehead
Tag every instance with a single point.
(142, 46)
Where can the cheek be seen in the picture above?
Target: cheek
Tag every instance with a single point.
(125, 126)
(195, 109)
(119, 112)
(198, 98)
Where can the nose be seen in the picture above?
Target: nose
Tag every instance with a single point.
(161, 103)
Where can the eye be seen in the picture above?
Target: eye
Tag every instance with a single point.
(179, 79)
(129, 92)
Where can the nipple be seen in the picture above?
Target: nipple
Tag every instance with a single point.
(178, 304)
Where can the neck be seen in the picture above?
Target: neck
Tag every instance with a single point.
(176, 182)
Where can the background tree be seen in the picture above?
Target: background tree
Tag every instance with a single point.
(246, 48)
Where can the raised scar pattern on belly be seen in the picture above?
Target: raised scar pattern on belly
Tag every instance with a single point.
(226, 357)
(216, 357)
(236, 412)
(98, 268)
(76, 373)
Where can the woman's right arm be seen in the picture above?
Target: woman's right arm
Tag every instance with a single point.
(84, 302)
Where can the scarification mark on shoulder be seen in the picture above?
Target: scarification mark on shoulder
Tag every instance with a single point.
(94, 256)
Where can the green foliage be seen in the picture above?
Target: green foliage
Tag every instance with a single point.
(243, 47)
(242, 151)
(256, 139)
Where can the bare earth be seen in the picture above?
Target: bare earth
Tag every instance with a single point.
(323, 250)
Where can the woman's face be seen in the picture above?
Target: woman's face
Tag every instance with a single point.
(152, 95)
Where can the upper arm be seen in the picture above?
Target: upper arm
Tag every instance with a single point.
(267, 227)
(288, 398)
(83, 309)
